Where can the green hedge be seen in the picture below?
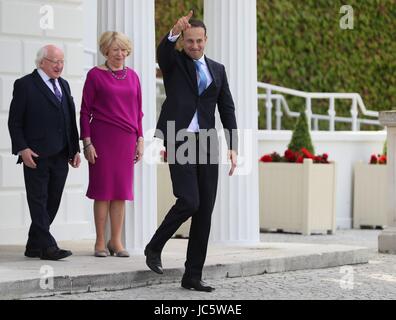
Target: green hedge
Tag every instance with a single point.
(301, 46)
(167, 12)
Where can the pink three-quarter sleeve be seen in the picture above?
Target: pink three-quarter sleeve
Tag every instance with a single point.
(140, 109)
(86, 107)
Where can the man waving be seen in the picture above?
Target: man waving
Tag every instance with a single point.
(194, 85)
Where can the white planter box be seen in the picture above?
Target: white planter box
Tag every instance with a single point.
(166, 199)
(298, 197)
(370, 195)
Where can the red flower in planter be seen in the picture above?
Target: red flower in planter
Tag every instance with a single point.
(321, 159)
(373, 159)
(290, 156)
(300, 159)
(276, 157)
(378, 159)
(307, 154)
(266, 158)
(382, 159)
(294, 157)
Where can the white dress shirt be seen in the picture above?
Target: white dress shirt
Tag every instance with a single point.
(47, 81)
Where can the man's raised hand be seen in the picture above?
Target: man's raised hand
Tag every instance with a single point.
(182, 24)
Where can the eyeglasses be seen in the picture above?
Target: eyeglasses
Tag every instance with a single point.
(61, 62)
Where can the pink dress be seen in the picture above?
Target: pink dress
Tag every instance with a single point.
(111, 115)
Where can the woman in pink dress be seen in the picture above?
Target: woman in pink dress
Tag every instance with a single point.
(111, 130)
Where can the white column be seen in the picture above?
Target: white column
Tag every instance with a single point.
(135, 18)
(387, 238)
(232, 41)
(26, 26)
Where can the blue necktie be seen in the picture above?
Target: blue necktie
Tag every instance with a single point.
(56, 90)
(202, 81)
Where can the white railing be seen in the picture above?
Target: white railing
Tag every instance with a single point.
(281, 103)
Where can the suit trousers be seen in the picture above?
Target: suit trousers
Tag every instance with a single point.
(44, 188)
(195, 186)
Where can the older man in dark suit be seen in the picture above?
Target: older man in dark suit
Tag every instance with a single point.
(42, 125)
(194, 85)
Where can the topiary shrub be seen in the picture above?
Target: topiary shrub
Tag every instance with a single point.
(301, 137)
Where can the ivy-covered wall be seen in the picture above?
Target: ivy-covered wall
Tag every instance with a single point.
(301, 46)
(167, 12)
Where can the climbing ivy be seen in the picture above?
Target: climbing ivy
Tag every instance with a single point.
(301, 46)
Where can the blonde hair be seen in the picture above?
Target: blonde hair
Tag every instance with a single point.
(107, 39)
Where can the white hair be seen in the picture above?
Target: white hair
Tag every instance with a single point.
(41, 54)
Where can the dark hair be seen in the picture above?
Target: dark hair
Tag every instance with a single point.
(197, 24)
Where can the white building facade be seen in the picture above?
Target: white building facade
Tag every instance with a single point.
(25, 26)
(74, 26)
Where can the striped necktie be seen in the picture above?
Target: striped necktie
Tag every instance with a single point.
(58, 94)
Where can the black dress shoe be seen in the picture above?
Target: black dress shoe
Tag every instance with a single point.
(54, 253)
(153, 260)
(33, 253)
(196, 284)
(66, 252)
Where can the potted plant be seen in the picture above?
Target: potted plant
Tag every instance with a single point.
(370, 192)
(297, 190)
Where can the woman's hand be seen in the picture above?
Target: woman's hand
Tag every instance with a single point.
(90, 153)
(139, 150)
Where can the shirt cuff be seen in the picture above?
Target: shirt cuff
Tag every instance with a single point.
(172, 37)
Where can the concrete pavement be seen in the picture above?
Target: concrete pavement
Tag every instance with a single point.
(22, 277)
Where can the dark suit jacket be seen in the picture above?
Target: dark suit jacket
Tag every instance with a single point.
(34, 119)
(182, 98)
